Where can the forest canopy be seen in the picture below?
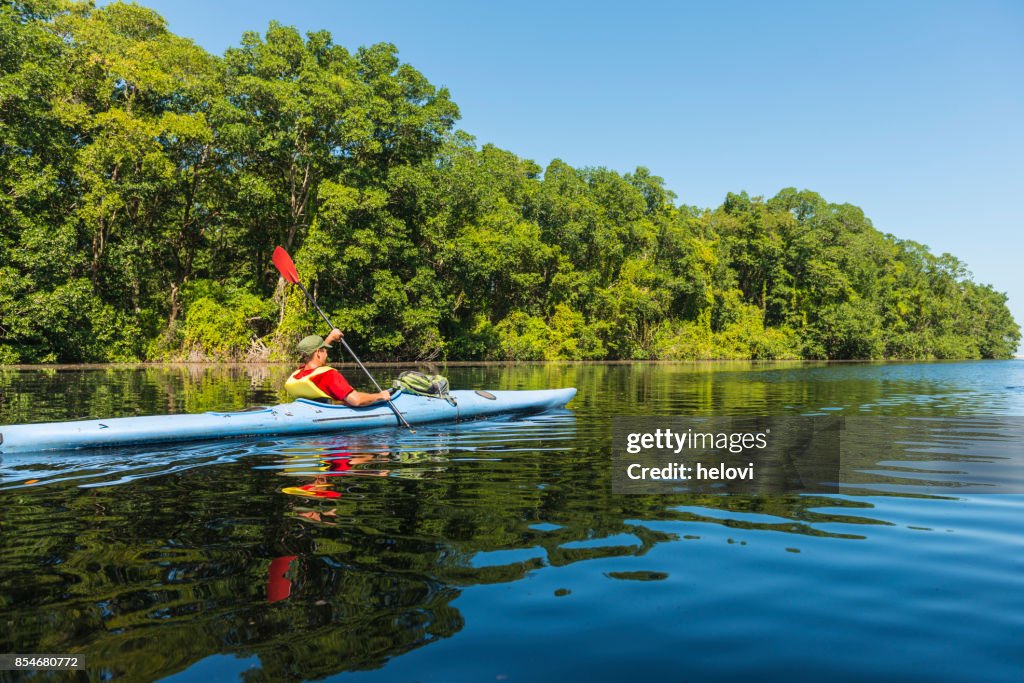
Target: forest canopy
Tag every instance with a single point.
(144, 184)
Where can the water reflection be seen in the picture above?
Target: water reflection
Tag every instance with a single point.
(321, 555)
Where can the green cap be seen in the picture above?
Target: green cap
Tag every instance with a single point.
(310, 344)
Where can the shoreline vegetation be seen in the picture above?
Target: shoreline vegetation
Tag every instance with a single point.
(747, 363)
(145, 182)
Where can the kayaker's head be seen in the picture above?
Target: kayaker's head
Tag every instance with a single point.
(312, 348)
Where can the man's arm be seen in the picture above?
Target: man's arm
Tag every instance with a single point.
(359, 398)
(356, 398)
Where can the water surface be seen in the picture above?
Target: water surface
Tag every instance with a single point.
(496, 550)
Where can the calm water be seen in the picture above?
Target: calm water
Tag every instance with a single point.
(496, 551)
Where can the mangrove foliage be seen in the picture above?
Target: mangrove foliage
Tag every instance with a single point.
(145, 182)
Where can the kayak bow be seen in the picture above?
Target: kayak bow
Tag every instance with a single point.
(301, 417)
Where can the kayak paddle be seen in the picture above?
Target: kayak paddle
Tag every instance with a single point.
(284, 264)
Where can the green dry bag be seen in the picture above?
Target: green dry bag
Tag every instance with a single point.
(435, 386)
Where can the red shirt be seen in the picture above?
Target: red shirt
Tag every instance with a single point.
(331, 383)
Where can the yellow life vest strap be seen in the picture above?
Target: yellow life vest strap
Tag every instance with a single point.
(304, 387)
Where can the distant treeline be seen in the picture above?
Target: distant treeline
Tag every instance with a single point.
(144, 184)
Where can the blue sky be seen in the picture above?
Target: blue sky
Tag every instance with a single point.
(913, 111)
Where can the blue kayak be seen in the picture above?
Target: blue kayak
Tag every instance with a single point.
(301, 417)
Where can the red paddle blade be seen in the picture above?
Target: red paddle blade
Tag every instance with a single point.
(284, 264)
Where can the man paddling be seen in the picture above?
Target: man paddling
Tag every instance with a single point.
(316, 380)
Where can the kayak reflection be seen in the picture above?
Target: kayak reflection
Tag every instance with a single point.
(123, 465)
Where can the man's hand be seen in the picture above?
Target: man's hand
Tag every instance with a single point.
(334, 336)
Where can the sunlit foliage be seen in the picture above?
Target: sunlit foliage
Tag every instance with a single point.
(144, 184)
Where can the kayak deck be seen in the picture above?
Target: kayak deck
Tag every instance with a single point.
(300, 417)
